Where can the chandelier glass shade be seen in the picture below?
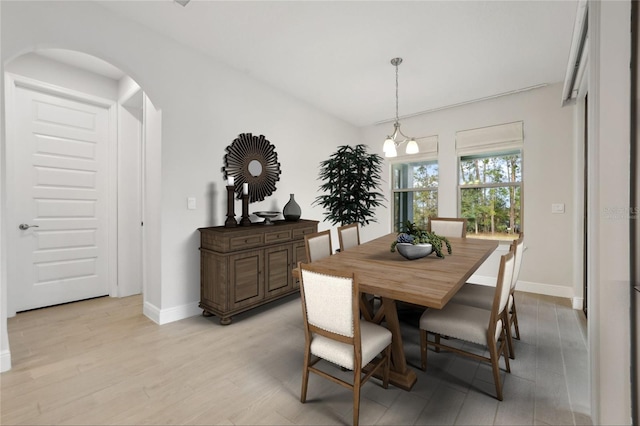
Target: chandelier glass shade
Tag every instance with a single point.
(398, 138)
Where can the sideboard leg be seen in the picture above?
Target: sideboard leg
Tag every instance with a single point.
(206, 314)
(225, 320)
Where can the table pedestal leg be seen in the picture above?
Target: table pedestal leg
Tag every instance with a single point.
(400, 375)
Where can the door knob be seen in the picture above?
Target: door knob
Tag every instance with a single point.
(24, 226)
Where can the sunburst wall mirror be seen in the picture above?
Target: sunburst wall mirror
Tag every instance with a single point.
(253, 160)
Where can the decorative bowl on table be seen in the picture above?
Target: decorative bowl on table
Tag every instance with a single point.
(414, 251)
(412, 235)
(267, 216)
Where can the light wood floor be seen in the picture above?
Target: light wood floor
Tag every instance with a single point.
(102, 362)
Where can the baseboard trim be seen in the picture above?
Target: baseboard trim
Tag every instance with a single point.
(151, 312)
(165, 316)
(5, 361)
(531, 287)
(577, 303)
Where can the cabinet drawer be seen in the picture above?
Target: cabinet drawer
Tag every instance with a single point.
(301, 232)
(248, 241)
(276, 237)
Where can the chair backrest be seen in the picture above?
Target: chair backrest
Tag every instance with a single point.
(519, 250)
(503, 284)
(349, 236)
(318, 245)
(329, 301)
(448, 226)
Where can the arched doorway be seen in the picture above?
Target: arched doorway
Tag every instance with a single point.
(81, 204)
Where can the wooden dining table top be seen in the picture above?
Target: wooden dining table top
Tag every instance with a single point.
(430, 281)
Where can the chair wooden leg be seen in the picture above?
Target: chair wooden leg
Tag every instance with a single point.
(505, 353)
(507, 328)
(387, 367)
(437, 340)
(423, 350)
(495, 366)
(305, 376)
(357, 383)
(514, 319)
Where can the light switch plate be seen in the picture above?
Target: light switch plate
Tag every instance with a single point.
(191, 203)
(557, 208)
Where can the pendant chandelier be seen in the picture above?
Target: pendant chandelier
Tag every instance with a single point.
(394, 141)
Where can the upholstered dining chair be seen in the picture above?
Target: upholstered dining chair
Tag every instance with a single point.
(318, 245)
(481, 296)
(349, 236)
(448, 226)
(475, 325)
(445, 227)
(334, 331)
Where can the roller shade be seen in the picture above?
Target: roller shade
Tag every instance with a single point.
(428, 146)
(492, 138)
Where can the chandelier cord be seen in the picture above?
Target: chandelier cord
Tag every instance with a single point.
(392, 142)
(397, 117)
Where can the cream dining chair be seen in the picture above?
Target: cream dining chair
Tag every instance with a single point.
(445, 227)
(481, 296)
(448, 226)
(349, 236)
(334, 332)
(475, 325)
(318, 245)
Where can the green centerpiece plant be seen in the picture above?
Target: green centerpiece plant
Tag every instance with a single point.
(412, 234)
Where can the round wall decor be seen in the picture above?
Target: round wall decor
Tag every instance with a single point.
(253, 160)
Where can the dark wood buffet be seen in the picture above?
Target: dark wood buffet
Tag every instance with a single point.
(247, 266)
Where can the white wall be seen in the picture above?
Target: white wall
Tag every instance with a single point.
(5, 353)
(548, 177)
(130, 128)
(608, 246)
(205, 105)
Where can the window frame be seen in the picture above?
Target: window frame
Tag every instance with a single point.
(493, 152)
(426, 157)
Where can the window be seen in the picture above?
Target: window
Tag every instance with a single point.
(490, 191)
(415, 192)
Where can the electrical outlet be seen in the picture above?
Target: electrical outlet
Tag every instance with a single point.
(557, 208)
(191, 203)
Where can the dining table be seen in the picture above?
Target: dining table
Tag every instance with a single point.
(429, 282)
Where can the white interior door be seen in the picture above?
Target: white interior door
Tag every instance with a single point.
(59, 155)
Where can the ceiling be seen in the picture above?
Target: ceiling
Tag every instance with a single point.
(336, 55)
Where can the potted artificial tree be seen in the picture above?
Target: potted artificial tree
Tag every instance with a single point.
(351, 179)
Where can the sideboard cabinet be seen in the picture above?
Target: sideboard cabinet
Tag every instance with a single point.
(247, 266)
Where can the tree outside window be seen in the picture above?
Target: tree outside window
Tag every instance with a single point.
(491, 194)
(415, 192)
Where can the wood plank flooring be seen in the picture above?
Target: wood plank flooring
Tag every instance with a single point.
(102, 362)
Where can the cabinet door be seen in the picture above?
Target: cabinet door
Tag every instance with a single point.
(245, 278)
(277, 270)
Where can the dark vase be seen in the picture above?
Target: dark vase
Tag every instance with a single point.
(291, 211)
